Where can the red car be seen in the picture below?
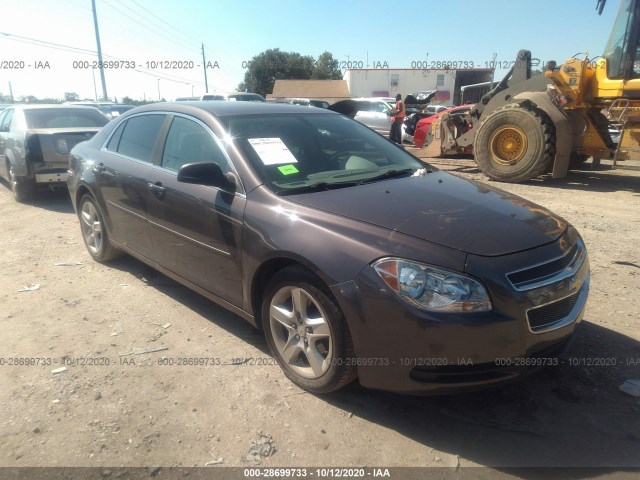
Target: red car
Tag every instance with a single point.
(424, 126)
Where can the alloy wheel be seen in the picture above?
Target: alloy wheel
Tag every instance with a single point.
(301, 332)
(91, 227)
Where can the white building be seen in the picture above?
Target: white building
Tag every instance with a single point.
(378, 82)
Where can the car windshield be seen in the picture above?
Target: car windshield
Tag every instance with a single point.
(64, 118)
(297, 153)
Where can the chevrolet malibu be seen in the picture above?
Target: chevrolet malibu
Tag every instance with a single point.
(355, 259)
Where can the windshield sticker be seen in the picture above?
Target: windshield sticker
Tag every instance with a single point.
(288, 169)
(272, 151)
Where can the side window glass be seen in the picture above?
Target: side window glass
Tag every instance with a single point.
(618, 44)
(2, 115)
(381, 107)
(6, 122)
(189, 142)
(139, 136)
(115, 138)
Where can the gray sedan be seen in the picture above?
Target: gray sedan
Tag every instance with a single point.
(354, 259)
(35, 141)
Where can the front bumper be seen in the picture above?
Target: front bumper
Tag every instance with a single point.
(402, 349)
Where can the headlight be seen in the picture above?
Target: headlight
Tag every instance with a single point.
(432, 288)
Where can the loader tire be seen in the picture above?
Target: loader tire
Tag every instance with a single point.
(515, 143)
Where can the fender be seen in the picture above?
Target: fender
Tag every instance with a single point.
(21, 169)
(564, 133)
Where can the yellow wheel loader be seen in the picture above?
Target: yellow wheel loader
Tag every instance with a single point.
(529, 125)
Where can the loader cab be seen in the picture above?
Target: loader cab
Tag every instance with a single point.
(623, 50)
(617, 73)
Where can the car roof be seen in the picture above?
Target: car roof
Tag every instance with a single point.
(371, 99)
(223, 109)
(55, 105)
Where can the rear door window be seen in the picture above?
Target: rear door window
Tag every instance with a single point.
(139, 136)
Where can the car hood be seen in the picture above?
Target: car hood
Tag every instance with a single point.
(447, 210)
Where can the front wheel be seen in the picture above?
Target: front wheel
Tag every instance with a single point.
(307, 333)
(515, 143)
(94, 233)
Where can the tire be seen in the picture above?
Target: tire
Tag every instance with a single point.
(21, 187)
(307, 332)
(94, 232)
(515, 143)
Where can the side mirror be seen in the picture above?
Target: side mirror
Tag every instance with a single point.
(209, 174)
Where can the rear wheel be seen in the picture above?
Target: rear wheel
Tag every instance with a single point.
(21, 187)
(515, 143)
(94, 233)
(307, 332)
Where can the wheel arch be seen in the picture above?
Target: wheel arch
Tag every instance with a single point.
(562, 125)
(267, 270)
(83, 189)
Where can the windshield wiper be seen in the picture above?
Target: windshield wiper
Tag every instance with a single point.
(316, 187)
(323, 185)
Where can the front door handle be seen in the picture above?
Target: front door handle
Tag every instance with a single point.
(157, 189)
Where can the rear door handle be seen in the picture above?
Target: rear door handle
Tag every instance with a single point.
(157, 189)
(99, 169)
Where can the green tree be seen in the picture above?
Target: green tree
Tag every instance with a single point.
(71, 97)
(327, 68)
(271, 65)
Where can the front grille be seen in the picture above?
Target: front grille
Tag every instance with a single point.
(549, 272)
(542, 317)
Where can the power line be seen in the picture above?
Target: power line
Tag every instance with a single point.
(160, 34)
(44, 43)
(184, 35)
(93, 53)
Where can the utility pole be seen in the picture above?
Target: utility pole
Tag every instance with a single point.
(11, 92)
(95, 89)
(95, 24)
(204, 65)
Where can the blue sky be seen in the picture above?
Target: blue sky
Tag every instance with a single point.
(362, 31)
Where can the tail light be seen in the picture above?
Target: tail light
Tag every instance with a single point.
(33, 149)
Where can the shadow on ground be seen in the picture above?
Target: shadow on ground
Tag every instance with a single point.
(570, 415)
(54, 200)
(588, 178)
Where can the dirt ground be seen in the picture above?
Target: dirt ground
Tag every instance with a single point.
(121, 407)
